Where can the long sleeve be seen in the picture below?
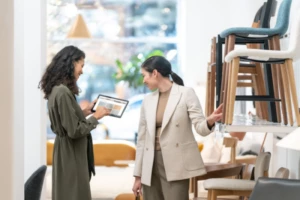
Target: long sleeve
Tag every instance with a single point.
(140, 143)
(74, 127)
(196, 113)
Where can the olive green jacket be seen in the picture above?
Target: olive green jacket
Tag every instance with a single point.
(70, 175)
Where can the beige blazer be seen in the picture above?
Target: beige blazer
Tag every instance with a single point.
(181, 156)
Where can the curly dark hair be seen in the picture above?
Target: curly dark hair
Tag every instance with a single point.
(61, 71)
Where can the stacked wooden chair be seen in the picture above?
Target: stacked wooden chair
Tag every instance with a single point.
(282, 63)
(258, 74)
(251, 74)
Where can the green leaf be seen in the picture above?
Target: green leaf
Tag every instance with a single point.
(130, 72)
(119, 65)
(155, 53)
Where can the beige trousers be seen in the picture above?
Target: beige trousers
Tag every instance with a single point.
(160, 188)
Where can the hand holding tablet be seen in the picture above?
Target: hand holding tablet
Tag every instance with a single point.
(101, 112)
(116, 106)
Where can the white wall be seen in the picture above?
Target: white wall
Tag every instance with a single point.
(7, 146)
(18, 78)
(199, 21)
(22, 55)
(34, 65)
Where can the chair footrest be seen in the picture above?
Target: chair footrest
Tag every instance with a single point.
(269, 61)
(245, 40)
(255, 98)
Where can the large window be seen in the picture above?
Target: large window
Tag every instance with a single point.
(119, 29)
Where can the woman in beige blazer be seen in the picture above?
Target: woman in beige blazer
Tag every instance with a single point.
(167, 153)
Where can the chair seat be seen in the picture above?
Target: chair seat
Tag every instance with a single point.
(258, 54)
(228, 184)
(276, 189)
(280, 28)
(246, 31)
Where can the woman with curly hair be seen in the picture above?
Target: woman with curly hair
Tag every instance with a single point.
(73, 159)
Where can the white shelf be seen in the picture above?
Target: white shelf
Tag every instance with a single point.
(242, 123)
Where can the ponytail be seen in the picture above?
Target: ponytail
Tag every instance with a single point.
(177, 79)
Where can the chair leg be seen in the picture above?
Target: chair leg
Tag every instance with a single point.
(227, 97)
(287, 93)
(257, 91)
(233, 85)
(213, 195)
(209, 195)
(223, 84)
(191, 185)
(262, 89)
(208, 92)
(213, 53)
(272, 46)
(223, 71)
(195, 185)
(292, 81)
(276, 46)
(282, 97)
(276, 92)
(231, 42)
(213, 88)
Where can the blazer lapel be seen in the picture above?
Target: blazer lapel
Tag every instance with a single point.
(151, 114)
(173, 100)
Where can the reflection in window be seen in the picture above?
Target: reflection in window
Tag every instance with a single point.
(114, 18)
(120, 29)
(95, 80)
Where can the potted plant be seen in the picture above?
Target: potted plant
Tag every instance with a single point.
(130, 72)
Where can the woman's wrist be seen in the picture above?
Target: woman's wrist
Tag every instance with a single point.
(210, 125)
(84, 112)
(96, 116)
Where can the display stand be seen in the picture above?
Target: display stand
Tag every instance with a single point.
(242, 123)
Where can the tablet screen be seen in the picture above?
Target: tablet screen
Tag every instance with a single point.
(115, 105)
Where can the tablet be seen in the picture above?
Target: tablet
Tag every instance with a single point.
(115, 105)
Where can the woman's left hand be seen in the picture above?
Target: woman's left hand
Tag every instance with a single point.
(215, 116)
(87, 107)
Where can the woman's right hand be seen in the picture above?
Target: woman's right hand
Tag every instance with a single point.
(101, 112)
(137, 186)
